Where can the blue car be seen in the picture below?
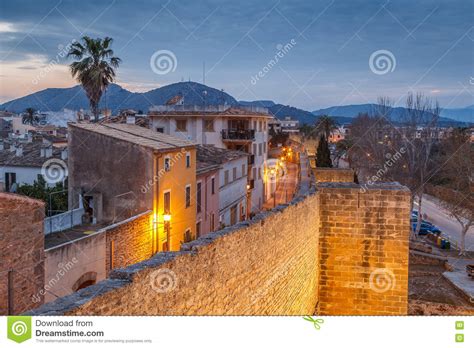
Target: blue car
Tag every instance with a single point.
(425, 228)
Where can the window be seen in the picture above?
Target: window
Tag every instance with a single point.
(255, 125)
(259, 173)
(226, 177)
(259, 126)
(188, 196)
(198, 194)
(213, 225)
(254, 173)
(234, 173)
(181, 125)
(188, 160)
(264, 148)
(10, 180)
(254, 149)
(198, 229)
(167, 202)
(213, 185)
(243, 169)
(187, 235)
(160, 129)
(167, 164)
(260, 148)
(209, 125)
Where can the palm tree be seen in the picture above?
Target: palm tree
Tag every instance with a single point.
(29, 116)
(95, 68)
(325, 125)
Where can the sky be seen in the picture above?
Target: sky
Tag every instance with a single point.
(307, 54)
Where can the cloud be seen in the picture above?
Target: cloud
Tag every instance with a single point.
(6, 27)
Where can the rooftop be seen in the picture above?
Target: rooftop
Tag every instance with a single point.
(210, 110)
(136, 135)
(214, 155)
(31, 156)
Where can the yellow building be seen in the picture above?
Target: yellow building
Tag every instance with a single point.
(120, 170)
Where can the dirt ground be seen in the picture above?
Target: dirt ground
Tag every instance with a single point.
(431, 294)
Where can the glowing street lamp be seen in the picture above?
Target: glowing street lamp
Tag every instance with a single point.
(166, 217)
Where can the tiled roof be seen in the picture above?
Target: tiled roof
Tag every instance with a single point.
(214, 155)
(31, 156)
(136, 135)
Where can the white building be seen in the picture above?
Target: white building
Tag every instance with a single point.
(233, 174)
(22, 163)
(234, 128)
(289, 125)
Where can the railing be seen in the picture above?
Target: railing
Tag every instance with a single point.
(238, 134)
(61, 222)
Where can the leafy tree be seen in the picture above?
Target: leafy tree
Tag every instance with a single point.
(50, 195)
(325, 125)
(29, 116)
(95, 68)
(323, 155)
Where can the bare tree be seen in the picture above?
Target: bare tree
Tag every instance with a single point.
(457, 194)
(417, 135)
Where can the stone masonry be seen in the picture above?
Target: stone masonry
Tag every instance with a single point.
(336, 251)
(364, 249)
(333, 175)
(21, 252)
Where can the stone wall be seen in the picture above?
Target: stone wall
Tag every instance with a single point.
(333, 175)
(364, 249)
(21, 252)
(129, 241)
(266, 266)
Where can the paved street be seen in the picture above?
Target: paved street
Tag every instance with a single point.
(448, 225)
(285, 187)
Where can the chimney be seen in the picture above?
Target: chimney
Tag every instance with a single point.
(46, 151)
(19, 151)
(130, 119)
(64, 154)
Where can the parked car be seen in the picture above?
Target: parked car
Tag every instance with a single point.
(425, 228)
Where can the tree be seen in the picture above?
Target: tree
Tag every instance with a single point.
(457, 195)
(95, 68)
(325, 125)
(323, 155)
(29, 116)
(417, 135)
(55, 198)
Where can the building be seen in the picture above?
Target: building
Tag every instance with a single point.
(289, 125)
(24, 162)
(228, 127)
(207, 194)
(232, 182)
(338, 134)
(121, 170)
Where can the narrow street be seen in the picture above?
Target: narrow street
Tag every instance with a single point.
(285, 188)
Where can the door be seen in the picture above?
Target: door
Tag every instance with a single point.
(233, 215)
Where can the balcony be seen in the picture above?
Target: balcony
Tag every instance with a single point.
(238, 135)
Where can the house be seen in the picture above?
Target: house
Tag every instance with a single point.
(121, 170)
(207, 194)
(24, 162)
(338, 134)
(227, 127)
(289, 125)
(232, 182)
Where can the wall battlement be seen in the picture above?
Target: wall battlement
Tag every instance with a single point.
(335, 251)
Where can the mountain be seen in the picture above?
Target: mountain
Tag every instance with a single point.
(118, 98)
(262, 103)
(396, 114)
(460, 114)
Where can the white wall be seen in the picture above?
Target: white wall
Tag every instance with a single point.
(235, 191)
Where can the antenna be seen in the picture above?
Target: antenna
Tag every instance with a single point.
(203, 73)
